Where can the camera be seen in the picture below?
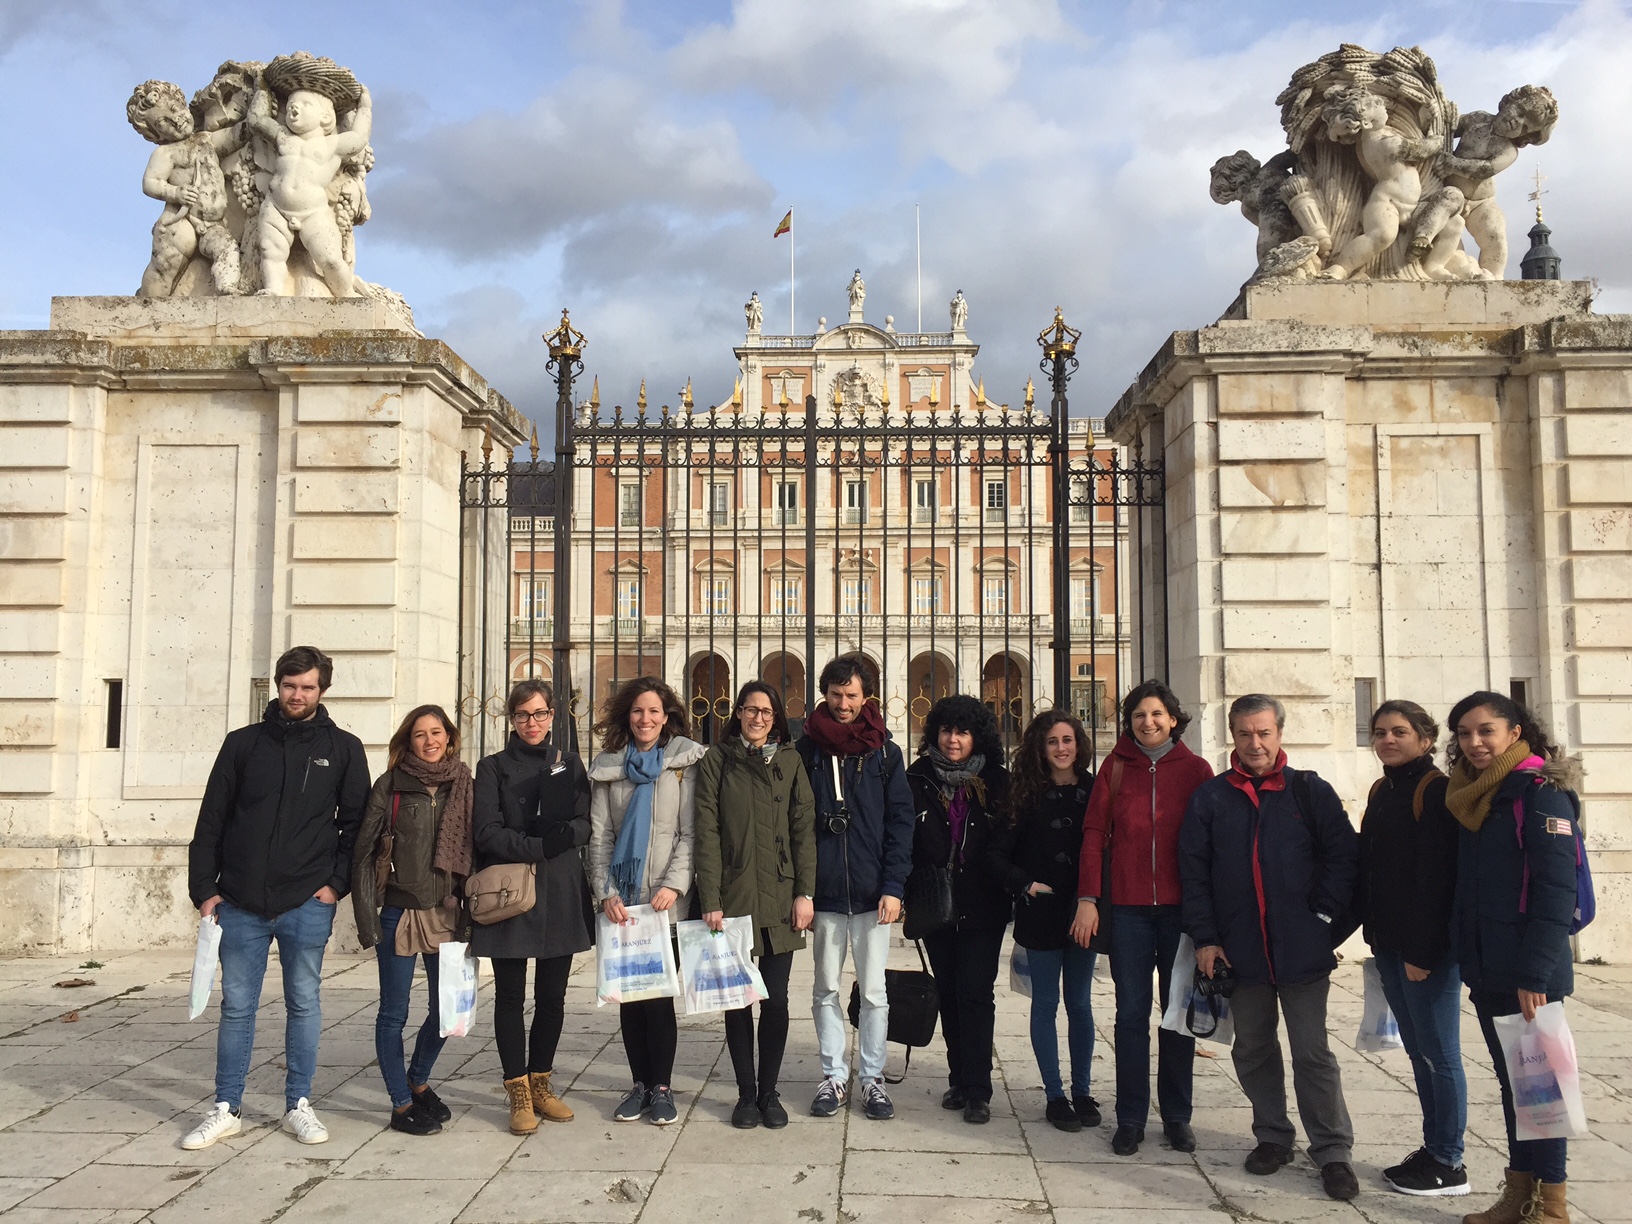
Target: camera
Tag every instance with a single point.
(838, 820)
(1220, 986)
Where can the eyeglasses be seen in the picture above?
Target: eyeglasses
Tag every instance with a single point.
(531, 716)
(757, 712)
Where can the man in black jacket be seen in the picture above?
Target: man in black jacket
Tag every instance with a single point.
(1267, 860)
(270, 859)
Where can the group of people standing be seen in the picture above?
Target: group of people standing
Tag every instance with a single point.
(1461, 879)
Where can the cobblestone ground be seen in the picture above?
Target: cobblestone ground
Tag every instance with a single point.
(98, 1084)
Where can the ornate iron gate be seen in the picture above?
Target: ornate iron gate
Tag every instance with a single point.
(959, 549)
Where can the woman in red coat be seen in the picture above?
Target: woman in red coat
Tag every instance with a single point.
(1136, 807)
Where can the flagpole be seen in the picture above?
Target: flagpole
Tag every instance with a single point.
(791, 328)
(918, 228)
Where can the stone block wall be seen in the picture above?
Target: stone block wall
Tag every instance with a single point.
(187, 489)
(1404, 490)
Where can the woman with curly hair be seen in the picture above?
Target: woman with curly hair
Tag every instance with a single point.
(1513, 792)
(1035, 857)
(642, 813)
(1136, 807)
(958, 783)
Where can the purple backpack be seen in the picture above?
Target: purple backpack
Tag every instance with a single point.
(1586, 903)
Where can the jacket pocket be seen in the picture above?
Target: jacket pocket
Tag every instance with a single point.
(784, 867)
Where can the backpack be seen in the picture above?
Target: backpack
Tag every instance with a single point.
(1416, 795)
(1297, 781)
(1586, 901)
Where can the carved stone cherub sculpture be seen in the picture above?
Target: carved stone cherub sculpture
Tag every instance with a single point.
(1239, 178)
(184, 172)
(310, 146)
(1355, 115)
(1486, 145)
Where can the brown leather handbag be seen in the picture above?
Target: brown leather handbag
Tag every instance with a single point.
(501, 891)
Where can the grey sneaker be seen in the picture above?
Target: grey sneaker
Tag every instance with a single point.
(830, 1098)
(876, 1104)
(660, 1110)
(633, 1104)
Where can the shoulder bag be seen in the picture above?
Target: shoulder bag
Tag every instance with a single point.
(915, 1005)
(501, 891)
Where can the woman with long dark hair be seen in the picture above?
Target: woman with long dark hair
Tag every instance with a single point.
(532, 806)
(1136, 807)
(413, 852)
(642, 815)
(1407, 882)
(1512, 791)
(958, 784)
(1035, 857)
(756, 857)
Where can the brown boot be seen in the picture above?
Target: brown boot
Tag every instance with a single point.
(545, 1103)
(1510, 1208)
(1549, 1205)
(522, 1119)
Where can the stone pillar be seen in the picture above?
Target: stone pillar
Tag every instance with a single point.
(193, 486)
(1398, 489)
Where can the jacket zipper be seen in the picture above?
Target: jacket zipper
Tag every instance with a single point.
(1154, 899)
(844, 841)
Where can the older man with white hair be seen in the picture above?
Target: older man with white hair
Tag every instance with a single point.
(1268, 861)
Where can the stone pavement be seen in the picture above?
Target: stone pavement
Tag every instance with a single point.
(92, 1110)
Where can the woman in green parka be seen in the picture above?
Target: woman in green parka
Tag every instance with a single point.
(756, 856)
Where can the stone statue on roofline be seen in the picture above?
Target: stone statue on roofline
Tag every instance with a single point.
(1371, 185)
(262, 180)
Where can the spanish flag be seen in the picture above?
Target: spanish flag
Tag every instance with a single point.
(784, 226)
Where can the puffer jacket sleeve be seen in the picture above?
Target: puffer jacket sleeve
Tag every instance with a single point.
(708, 857)
(348, 816)
(1549, 907)
(802, 828)
(601, 837)
(898, 823)
(1200, 921)
(679, 873)
(1339, 855)
(364, 878)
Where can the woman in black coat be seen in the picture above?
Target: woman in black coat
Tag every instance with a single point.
(958, 783)
(532, 806)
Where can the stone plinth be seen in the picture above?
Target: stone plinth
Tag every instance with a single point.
(189, 487)
(1412, 490)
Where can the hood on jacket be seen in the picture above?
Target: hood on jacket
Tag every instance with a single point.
(1565, 772)
(273, 720)
(678, 753)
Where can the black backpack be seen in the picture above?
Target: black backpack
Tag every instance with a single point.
(915, 1006)
(1297, 781)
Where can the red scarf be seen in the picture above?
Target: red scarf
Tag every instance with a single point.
(864, 735)
(1250, 783)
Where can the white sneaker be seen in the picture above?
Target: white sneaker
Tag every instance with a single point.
(219, 1123)
(302, 1123)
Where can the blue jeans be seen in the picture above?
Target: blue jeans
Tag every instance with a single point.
(246, 938)
(1543, 1159)
(1144, 940)
(396, 980)
(1429, 1014)
(1076, 965)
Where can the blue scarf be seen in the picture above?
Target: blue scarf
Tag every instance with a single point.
(634, 838)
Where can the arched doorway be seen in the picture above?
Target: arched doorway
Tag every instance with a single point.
(709, 701)
(1005, 692)
(785, 672)
(929, 678)
(532, 668)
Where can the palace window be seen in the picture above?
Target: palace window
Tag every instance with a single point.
(994, 595)
(855, 501)
(926, 594)
(629, 505)
(787, 503)
(855, 592)
(923, 501)
(787, 596)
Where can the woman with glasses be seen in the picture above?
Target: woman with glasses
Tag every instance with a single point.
(642, 817)
(532, 806)
(1035, 856)
(756, 857)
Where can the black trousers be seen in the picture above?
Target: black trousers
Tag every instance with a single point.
(964, 963)
(774, 967)
(650, 1035)
(517, 1053)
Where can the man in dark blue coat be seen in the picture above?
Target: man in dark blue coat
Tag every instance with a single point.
(1268, 861)
(864, 823)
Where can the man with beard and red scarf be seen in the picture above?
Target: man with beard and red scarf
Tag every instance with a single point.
(863, 855)
(1268, 861)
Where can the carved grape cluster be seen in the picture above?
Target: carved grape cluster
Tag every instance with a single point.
(243, 186)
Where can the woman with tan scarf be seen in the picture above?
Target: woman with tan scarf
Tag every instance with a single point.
(413, 853)
(1512, 791)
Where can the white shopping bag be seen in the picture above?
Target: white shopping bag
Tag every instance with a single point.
(1378, 1028)
(205, 958)
(634, 959)
(1020, 972)
(717, 970)
(1546, 1079)
(458, 975)
(1189, 1013)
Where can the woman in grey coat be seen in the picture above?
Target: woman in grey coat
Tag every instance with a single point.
(642, 818)
(532, 806)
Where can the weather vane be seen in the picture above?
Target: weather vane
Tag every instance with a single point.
(1540, 191)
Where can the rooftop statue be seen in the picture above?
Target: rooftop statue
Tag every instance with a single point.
(262, 180)
(1371, 184)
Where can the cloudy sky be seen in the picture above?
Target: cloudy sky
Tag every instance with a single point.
(630, 160)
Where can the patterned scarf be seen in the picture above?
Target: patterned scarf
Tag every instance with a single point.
(627, 870)
(453, 837)
(1469, 794)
